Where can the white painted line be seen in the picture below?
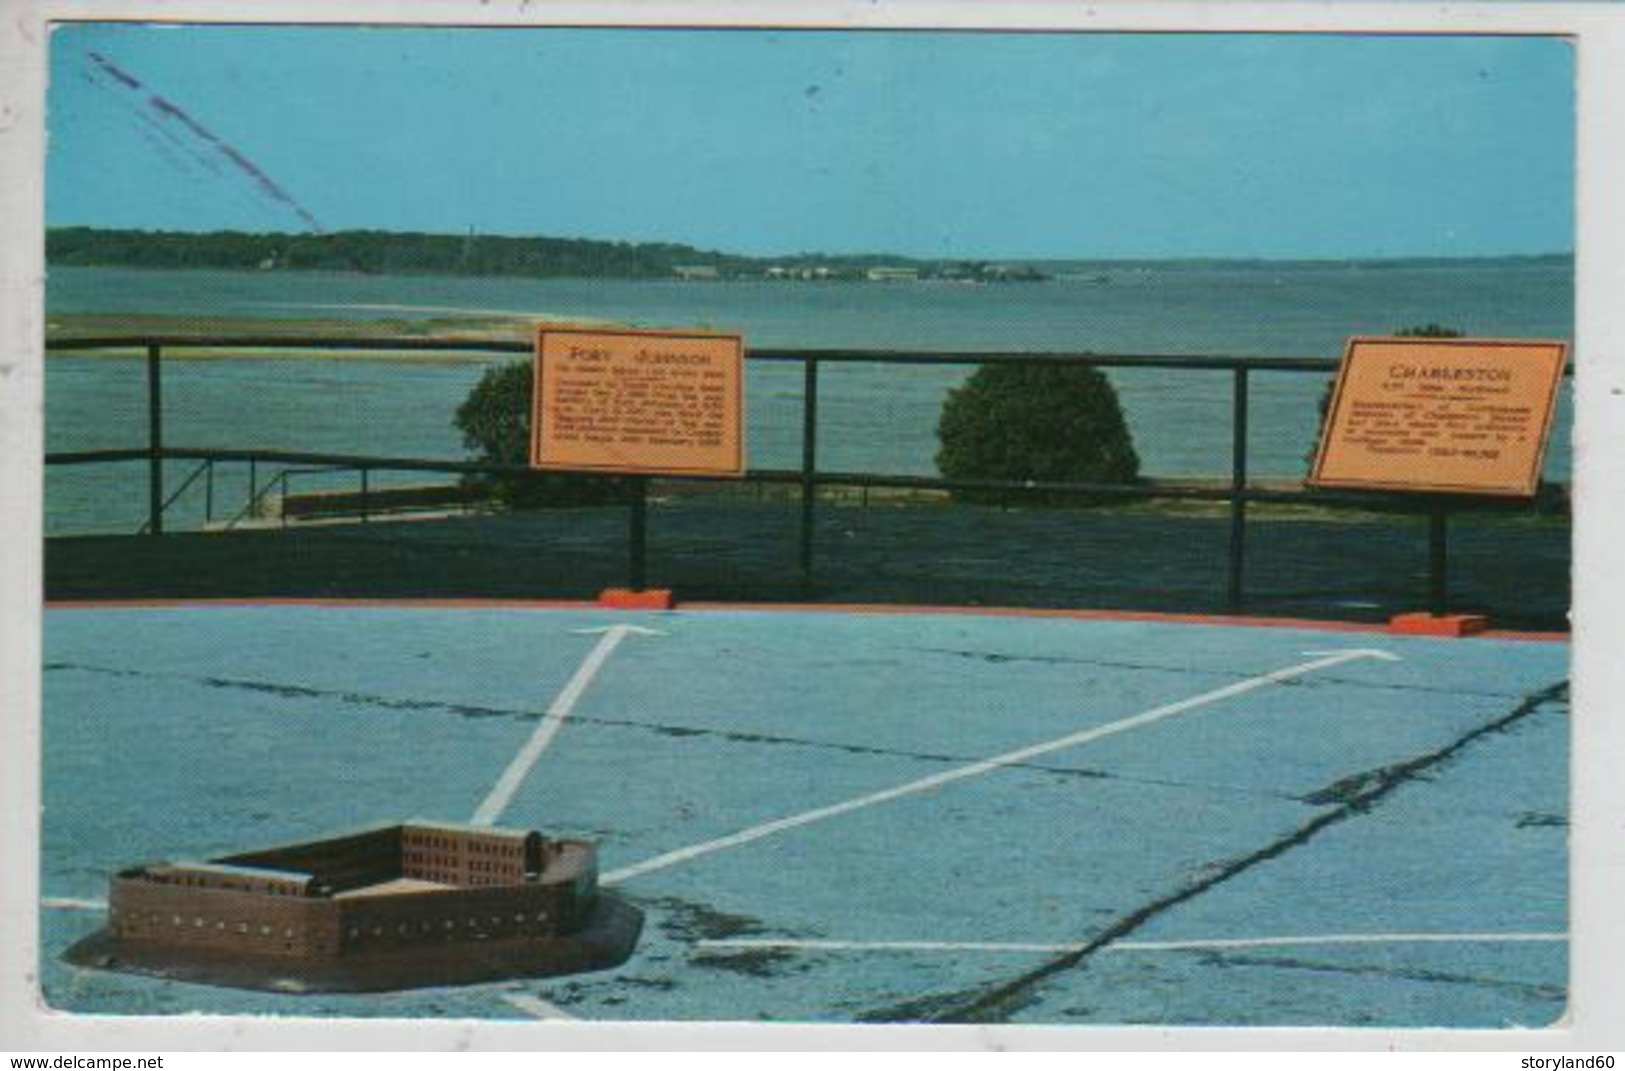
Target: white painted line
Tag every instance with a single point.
(69, 903)
(1333, 939)
(507, 785)
(535, 1006)
(514, 776)
(788, 944)
(1212, 944)
(1009, 758)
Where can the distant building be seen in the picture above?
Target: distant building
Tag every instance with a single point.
(778, 272)
(893, 275)
(697, 272)
(1012, 273)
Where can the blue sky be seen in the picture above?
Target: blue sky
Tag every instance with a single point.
(927, 144)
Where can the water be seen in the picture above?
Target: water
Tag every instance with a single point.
(872, 418)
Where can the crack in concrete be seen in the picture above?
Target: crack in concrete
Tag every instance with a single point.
(298, 691)
(996, 1003)
(1001, 658)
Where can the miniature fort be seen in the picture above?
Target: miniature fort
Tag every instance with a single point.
(396, 907)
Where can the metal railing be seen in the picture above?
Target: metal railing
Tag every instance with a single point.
(1237, 491)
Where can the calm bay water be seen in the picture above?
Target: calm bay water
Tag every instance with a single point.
(872, 418)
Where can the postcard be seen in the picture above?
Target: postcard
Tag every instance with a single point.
(1009, 517)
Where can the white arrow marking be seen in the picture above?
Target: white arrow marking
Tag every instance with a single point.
(1009, 758)
(1208, 945)
(502, 792)
(1333, 939)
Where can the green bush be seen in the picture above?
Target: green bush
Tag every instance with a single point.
(1427, 330)
(1049, 423)
(495, 422)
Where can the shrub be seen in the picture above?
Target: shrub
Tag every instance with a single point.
(495, 422)
(1050, 423)
(1427, 330)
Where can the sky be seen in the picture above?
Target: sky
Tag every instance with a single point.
(929, 144)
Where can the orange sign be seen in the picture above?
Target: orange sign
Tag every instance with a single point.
(1455, 415)
(639, 402)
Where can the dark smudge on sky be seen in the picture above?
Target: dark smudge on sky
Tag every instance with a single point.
(162, 113)
(185, 156)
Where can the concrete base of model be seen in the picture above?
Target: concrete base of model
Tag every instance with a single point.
(606, 941)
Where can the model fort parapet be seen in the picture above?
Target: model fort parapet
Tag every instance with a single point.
(395, 907)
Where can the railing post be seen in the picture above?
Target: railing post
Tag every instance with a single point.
(809, 463)
(155, 441)
(253, 483)
(1238, 489)
(1438, 557)
(638, 535)
(363, 494)
(208, 493)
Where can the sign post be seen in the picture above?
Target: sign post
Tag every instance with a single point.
(1441, 417)
(638, 404)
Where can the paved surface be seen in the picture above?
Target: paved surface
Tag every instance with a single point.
(966, 556)
(838, 817)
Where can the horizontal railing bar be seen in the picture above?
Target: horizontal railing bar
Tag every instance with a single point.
(320, 470)
(1374, 500)
(1088, 357)
(848, 355)
(289, 342)
(340, 462)
(1136, 491)
(1193, 362)
(97, 457)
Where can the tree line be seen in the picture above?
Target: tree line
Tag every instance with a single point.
(380, 252)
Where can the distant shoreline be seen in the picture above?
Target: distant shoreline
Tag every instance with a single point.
(409, 253)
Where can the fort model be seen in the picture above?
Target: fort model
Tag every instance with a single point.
(396, 907)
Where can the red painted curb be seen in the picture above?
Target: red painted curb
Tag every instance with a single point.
(321, 603)
(626, 599)
(1453, 626)
(862, 609)
(1148, 616)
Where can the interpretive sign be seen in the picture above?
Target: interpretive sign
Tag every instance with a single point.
(1454, 415)
(639, 402)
